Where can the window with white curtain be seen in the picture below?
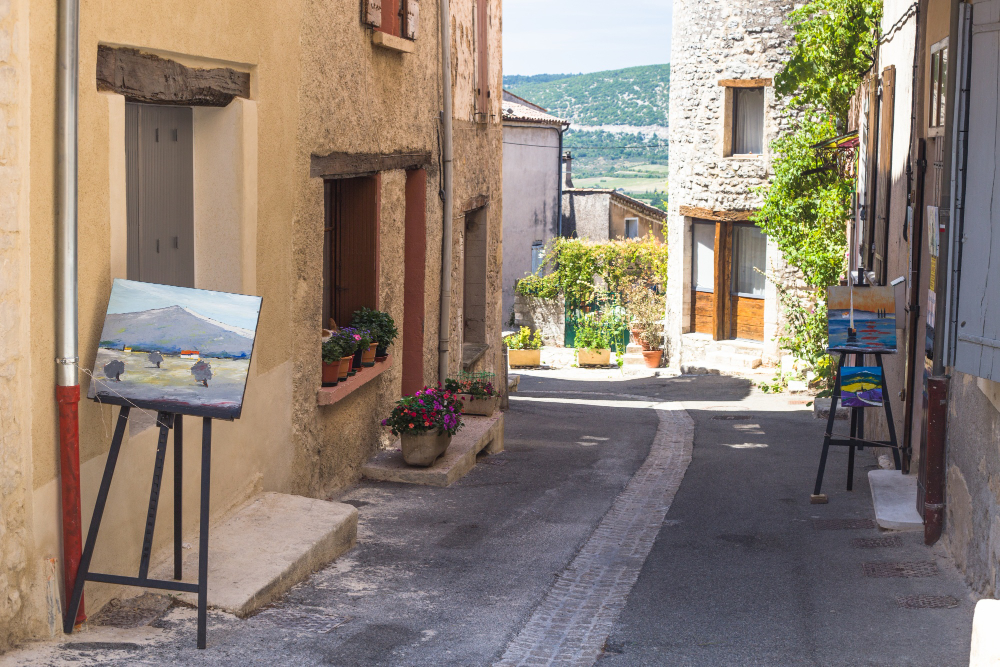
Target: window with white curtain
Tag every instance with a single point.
(703, 256)
(537, 256)
(748, 121)
(631, 228)
(749, 261)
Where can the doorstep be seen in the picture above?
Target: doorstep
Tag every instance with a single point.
(985, 649)
(270, 544)
(478, 434)
(895, 498)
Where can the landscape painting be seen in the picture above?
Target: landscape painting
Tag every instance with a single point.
(175, 349)
(874, 318)
(861, 387)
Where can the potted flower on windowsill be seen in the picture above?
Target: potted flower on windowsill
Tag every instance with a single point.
(332, 352)
(425, 423)
(524, 348)
(362, 339)
(382, 327)
(345, 344)
(478, 396)
(592, 345)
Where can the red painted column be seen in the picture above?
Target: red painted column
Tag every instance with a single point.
(414, 267)
(68, 399)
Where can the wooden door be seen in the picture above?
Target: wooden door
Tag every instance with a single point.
(703, 277)
(749, 261)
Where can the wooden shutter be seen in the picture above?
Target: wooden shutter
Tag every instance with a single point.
(373, 12)
(482, 60)
(871, 169)
(880, 233)
(355, 204)
(978, 339)
(412, 14)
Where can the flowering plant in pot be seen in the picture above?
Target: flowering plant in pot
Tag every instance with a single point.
(332, 351)
(362, 340)
(593, 347)
(524, 348)
(478, 395)
(425, 423)
(646, 308)
(345, 344)
(380, 324)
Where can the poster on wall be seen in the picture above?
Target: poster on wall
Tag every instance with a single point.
(861, 387)
(861, 319)
(175, 349)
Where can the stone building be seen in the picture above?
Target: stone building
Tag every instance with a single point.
(604, 214)
(721, 310)
(302, 120)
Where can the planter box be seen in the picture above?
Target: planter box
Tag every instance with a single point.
(593, 357)
(484, 407)
(524, 357)
(423, 449)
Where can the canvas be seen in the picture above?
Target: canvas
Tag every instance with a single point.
(874, 318)
(861, 387)
(175, 349)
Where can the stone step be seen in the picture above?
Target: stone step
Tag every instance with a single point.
(704, 368)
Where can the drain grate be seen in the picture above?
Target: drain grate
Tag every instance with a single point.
(927, 602)
(742, 418)
(924, 568)
(843, 524)
(303, 621)
(876, 542)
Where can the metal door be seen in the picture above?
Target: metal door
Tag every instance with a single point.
(159, 169)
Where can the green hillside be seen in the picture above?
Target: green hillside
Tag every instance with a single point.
(632, 96)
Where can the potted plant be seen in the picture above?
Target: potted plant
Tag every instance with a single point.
(346, 343)
(425, 423)
(592, 345)
(646, 307)
(382, 327)
(524, 348)
(362, 340)
(478, 396)
(331, 360)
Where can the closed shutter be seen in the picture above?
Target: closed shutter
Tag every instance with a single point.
(354, 222)
(482, 60)
(373, 12)
(412, 18)
(871, 169)
(978, 345)
(880, 233)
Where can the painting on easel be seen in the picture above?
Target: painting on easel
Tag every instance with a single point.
(861, 387)
(175, 349)
(863, 318)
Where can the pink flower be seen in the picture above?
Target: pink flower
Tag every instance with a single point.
(357, 337)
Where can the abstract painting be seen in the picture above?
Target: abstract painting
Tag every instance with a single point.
(874, 318)
(861, 387)
(175, 349)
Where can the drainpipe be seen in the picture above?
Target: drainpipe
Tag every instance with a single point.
(67, 378)
(559, 160)
(444, 326)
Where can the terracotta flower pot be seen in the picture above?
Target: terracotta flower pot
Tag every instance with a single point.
(345, 367)
(593, 357)
(652, 358)
(331, 374)
(484, 407)
(635, 335)
(524, 357)
(368, 357)
(423, 449)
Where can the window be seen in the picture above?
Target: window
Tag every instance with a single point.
(939, 84)
(748, 121)
(474, 283)
(703, 257)
(482, 61)
(399, 18)
(749, 256)
(350, 248)
(631, 228)
(537, 256)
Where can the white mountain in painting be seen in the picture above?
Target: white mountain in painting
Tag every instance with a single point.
(170, 330)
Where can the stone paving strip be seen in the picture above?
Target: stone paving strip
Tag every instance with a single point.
(574, 619)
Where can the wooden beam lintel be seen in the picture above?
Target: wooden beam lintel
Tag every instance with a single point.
(356, 164)
(745, 83)
(715, 216)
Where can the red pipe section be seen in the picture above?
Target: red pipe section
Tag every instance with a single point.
(69, 467)
(937, 419)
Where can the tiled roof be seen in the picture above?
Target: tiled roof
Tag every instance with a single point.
(623, 199)
(521, 110)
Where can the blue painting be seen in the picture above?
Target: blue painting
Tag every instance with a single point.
(861, 319)
(861, 387)
(175, 349)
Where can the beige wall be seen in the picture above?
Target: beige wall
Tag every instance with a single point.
(647, 223)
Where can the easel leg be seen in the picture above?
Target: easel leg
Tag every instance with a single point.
(817, 497)
(95, 521)
(850, 450)
(206, 471)
(886, 403)
(178, 491)
(165, 421)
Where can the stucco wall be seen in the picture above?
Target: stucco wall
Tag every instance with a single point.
(531, 182)
(715, 40)
(587, 215)
(647, 223)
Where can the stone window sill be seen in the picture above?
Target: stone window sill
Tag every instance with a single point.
(331, 395)
(392, 42)
(743, 158)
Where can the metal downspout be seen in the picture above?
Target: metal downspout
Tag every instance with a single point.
(447, 148)
(559, 161)
(67, 343)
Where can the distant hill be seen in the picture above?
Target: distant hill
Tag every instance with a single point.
(171, 330)
(636, 96)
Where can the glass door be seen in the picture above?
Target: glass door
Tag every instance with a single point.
(749, 261)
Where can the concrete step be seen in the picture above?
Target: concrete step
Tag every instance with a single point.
(704, 368)
(894, 496)
(270, 544)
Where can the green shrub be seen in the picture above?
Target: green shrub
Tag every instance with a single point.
(591, 334)
(380, 324)
(524, 340)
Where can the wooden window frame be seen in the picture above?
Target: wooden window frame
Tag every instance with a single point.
(342, 228)
(729, 117)
(483, 95)
(937, 87)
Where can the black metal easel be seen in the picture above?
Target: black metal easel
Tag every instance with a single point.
(166, 421)
(856, 440)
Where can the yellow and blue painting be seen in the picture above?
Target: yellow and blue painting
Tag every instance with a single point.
(874, 318)
(861, 387)
(175, 349)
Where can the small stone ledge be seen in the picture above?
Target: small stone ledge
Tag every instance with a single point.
(392, 42)
(331, 395)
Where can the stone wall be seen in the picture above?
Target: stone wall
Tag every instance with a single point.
(545, 315)
(715, 40)
(587, 214)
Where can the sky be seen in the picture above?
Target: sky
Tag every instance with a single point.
(571, 36)
(238, 310)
